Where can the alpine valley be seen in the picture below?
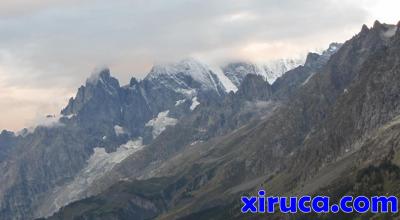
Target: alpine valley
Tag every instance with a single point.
(187, 141)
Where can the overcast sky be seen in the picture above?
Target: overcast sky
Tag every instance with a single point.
(49, 47)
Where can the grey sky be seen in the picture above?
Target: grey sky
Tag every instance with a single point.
(49, 47)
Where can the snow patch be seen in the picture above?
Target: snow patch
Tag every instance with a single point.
(195, 103)
(308, 79)
(196, 142)
(179, 102)
(69, 116)
(160, 123)
(226, 82)
(119, 130)
(189, 93)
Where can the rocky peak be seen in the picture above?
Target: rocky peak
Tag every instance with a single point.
(99, 86)
(103, 79)
(288, 84)
(380, 31)
(364, 29)
(333, 47)
(377, 24)
(133, 81)
(311, 58)
(317, 60)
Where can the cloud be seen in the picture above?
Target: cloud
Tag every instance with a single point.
(55, 44)
(131, 35)
(26, 7)
(25, 106)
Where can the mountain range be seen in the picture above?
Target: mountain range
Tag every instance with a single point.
(187, 141)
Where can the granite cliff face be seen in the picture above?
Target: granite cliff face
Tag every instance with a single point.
(331, 129)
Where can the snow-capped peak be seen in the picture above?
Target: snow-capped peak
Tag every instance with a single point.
(189, 67)
(270, 70)
(276, 68)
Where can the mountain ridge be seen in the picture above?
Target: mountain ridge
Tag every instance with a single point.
(307, 142)
(137, 129)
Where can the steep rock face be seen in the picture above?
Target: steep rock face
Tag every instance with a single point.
(343, 120)
(336, 127)
(254, 87)
(373, 94)
(99, 87)
(97, 108)
(177, 88)
(102, 104)
(39, 162)
(103, 101)
(209, 120)
(252, 99)
(145, 109)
